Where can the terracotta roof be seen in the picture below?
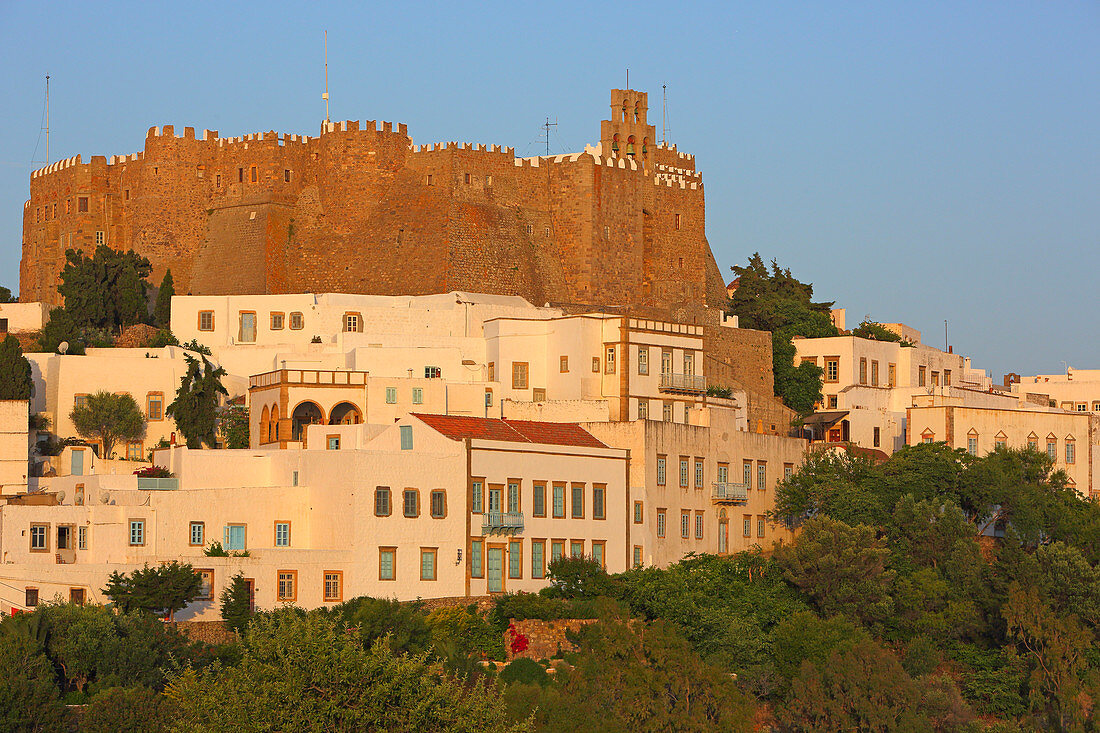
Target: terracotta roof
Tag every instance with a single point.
(458, 427)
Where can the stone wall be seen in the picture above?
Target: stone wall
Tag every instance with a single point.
(544, 638)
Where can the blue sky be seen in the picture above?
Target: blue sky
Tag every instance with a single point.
(916, 161)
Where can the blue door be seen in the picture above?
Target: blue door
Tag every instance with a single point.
(77, 466)
(234, 537)
(495, 570)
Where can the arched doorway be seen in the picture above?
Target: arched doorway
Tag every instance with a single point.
(273, 426)
(345, 413)
(306, 413)
(265, 422)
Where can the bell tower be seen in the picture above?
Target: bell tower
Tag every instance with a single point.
(627, 134)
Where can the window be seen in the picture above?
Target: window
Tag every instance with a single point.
(832, 368)
(467, 178)
(921, 376)
(133, 451)
(685, 524)
(287, 585)
(698, 473)
(595, 365)
(928, 436)
(254, 174)
(874, 373)
(538, 395)
(935, 379)
(638, 512)
(513, 496)
(387, 563)
(643, 360)
(607, 232)
(1032, 442)
(683, 472)
(609, 365)
(947, 377)
(538, 559)
(530, 228)
(82, 538)
(277, 321)
(689, 363)
(677, 221)
(432, 372)
(1096, 406)
(476, 500)
(382, 501)
(746, 528)
(666, 412)
(40, 538)
(30, 597)
(438, 499)
(761, 475)
(698, 525)
(297, 322)
(538, 499)
(418, 396)
(557, 550)
(519, 375)
(352, 323)
(286, 175)
(863, 371)
(428, 180)
(598, 553)
(563, 364)
(747, 474)
(578, 501)
(515, 559)
(759, 525)
(1071, 451)
(637, 556)
(427, 563)
(1082, 407)
(599, 492)
(206, 320)
(282, 534)
(234, 537)
(476, 551)
(197, 534)
(660, 470)
(334, 585)
(82, 204)
(391, 395)
(576, 548)
(76, 596)
(788, 469)
(334, 442)
(492, 371)
(154, 406)
(488, 398)
(972, 444)
(892, 375)
(723, 473)
(406, 437)
(559, 501)
(217, 183)
(1000, 443)
(246, 334)
(832, 402)
(643, 409)
(99, 239)
(206, 587)
(660, 522)
(411, 503)
(137, 532)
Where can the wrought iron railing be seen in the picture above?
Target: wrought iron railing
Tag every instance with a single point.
(502, 522)
(683, 382)
(730, 493)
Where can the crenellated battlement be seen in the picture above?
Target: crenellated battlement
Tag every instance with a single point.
(59, 165)
(453, 146)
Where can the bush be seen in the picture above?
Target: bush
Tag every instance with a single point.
(462, 632)
(525, 671)
(126, 710)
(571, 577)
(522, 606)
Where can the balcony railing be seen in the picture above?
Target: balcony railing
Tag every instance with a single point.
(502, 522)
(158, 484)
(339, 377)
(730, 493)
(692, 383)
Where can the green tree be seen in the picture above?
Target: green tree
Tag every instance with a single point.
(28, 694)
(161, 590)
(303, 672)
(636, 677)
(875, 332)
(106, 290)
(195, 408)
(127, 710)
(841, 567)
(572, 577)
(162, 311)
(775, 301)
(836, 483)
(236, 603)
(5, 295)
(61, 328)
(108, 418)
(233, 425)
(16, 382)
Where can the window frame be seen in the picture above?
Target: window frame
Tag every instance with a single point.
(442, 494)
(338, 575)
(538, 571)
(515, 559)
(599, 507)
(558, 487)
(149, 396)
(388, 493)
(206, 313)
(201, 572)
(563, 364)
(433, 553)
(272, 323)
(477, 568)
(639, 511)
(299, 317)
(45, 527)
(538, 489)
(275, 538)
(662, 522)
(405, 494)
(292, 577)
(602, 555)
(140, 522)
(576, 489)
(521, 375)
(392, 551)
(191, 534)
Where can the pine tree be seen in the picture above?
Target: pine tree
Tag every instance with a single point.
(15, 371)
(195, 408)
(236, 604)
(162, 311)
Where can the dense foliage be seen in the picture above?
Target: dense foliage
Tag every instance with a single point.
(195, 408)
(233, 425)
(16, 382)
(162, 309)
(107, 290)
(109, 418)
(6, 296)
(161, 590)
(773, 300)
(875, 332)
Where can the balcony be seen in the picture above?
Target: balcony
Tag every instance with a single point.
(682, 383)
(502, 522)
(157, 484)
(730, 493)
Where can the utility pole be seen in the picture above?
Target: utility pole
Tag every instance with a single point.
(325, 95)
(47, 119)
(547, 127)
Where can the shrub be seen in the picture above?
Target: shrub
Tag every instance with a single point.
(126, 710)
(525, 671)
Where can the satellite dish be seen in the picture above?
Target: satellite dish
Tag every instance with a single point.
(60, 497)
(104, 497)
(63, 347)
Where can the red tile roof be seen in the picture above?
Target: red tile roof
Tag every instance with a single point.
(458, 427)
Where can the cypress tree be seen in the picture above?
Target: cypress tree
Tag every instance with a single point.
(15, 371)
(162, 311)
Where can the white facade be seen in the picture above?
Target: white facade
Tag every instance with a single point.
(23, 317)
(1078, 390)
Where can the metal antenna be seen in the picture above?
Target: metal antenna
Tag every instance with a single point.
(547, 127)
(47, 119)
(628, 78)
(325, 95)
(664, 114)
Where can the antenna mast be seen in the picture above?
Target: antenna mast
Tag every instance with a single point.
(47, 119)
(325, 95)
(547, 127)
(664, 114)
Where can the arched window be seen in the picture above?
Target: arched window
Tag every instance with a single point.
(265, 420)
(273, 427)
(637, 110)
